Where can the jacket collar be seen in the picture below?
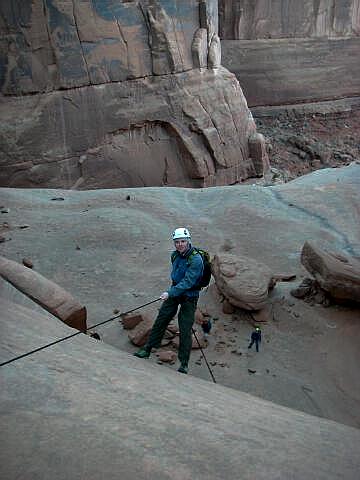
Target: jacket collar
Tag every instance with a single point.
(187, 251)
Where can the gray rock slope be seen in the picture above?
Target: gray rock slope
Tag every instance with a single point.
(83, 409)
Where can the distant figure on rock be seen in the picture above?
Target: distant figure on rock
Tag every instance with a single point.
(206, 327)
(255, 338)
(186, 274)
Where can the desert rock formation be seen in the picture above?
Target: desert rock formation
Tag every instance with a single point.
(243, 281)
(92, 411)
(46, 293)
(114, 94)
(291, 51)
(336, 273)
(111, 249)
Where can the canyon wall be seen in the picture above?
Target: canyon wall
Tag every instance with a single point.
(286, 51)
(109, 93)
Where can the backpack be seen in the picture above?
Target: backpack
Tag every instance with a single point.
(206, 276)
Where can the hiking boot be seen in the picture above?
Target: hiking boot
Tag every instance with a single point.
(142, 353)
(183, 369)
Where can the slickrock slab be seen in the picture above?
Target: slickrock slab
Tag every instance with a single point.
(92, 411)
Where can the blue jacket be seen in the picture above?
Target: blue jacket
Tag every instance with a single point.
(185, 274)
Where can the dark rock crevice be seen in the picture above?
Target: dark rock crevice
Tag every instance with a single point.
(125, 43)
(319, 219)
(80, 42)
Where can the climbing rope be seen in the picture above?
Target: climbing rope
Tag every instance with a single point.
(74, 334)
(43, 347)
(203, 354)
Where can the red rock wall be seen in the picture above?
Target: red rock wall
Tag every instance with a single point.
(290, 51)
(265, 19)
(118, 93)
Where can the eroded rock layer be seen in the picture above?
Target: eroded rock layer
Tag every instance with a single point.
(112, 94)
(291, 51)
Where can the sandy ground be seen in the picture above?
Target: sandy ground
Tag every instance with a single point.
(300, 143)
(111, 252)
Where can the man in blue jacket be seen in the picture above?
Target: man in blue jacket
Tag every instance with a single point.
(187, 270)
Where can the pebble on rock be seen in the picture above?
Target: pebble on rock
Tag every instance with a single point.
(27, 262)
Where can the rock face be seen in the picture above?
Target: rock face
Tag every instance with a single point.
(309, 50)
(71, 402)
(114, 94)
(244, 20)
(339, 275)
(243, 281)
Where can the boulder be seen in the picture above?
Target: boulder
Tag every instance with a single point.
(172, 329)
(227, 307)
(129, 321)
(140, 334)
(303, 290)
(166, 356)
(44, 292)
(336, 273)
(264, 315)
(243, 281)
(199, 316)
(27, 262)
(258, 153)
(195, 345)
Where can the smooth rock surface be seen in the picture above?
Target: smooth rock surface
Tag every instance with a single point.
(83, 409)
(124, 236)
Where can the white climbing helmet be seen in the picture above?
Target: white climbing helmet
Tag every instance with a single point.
(181, 232)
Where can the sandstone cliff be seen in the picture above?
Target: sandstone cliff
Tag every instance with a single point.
(291, 51)
(262, 19)
(111, 94)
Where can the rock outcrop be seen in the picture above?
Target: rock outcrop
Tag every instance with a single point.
(244, 282)
(114, 94)
(289, 51)
(337, 274)
(44, 292)
(244, 20)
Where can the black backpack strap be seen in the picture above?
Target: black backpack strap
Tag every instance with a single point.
(174, 255)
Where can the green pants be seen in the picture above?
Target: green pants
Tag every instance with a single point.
(186, 319)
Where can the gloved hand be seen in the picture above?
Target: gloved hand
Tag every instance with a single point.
(164, 296)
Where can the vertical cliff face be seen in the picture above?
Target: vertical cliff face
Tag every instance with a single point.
(247, 20)
(290, 51)
(118, 93)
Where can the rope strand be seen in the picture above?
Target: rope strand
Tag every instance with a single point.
(74, 334)
(97, 325)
